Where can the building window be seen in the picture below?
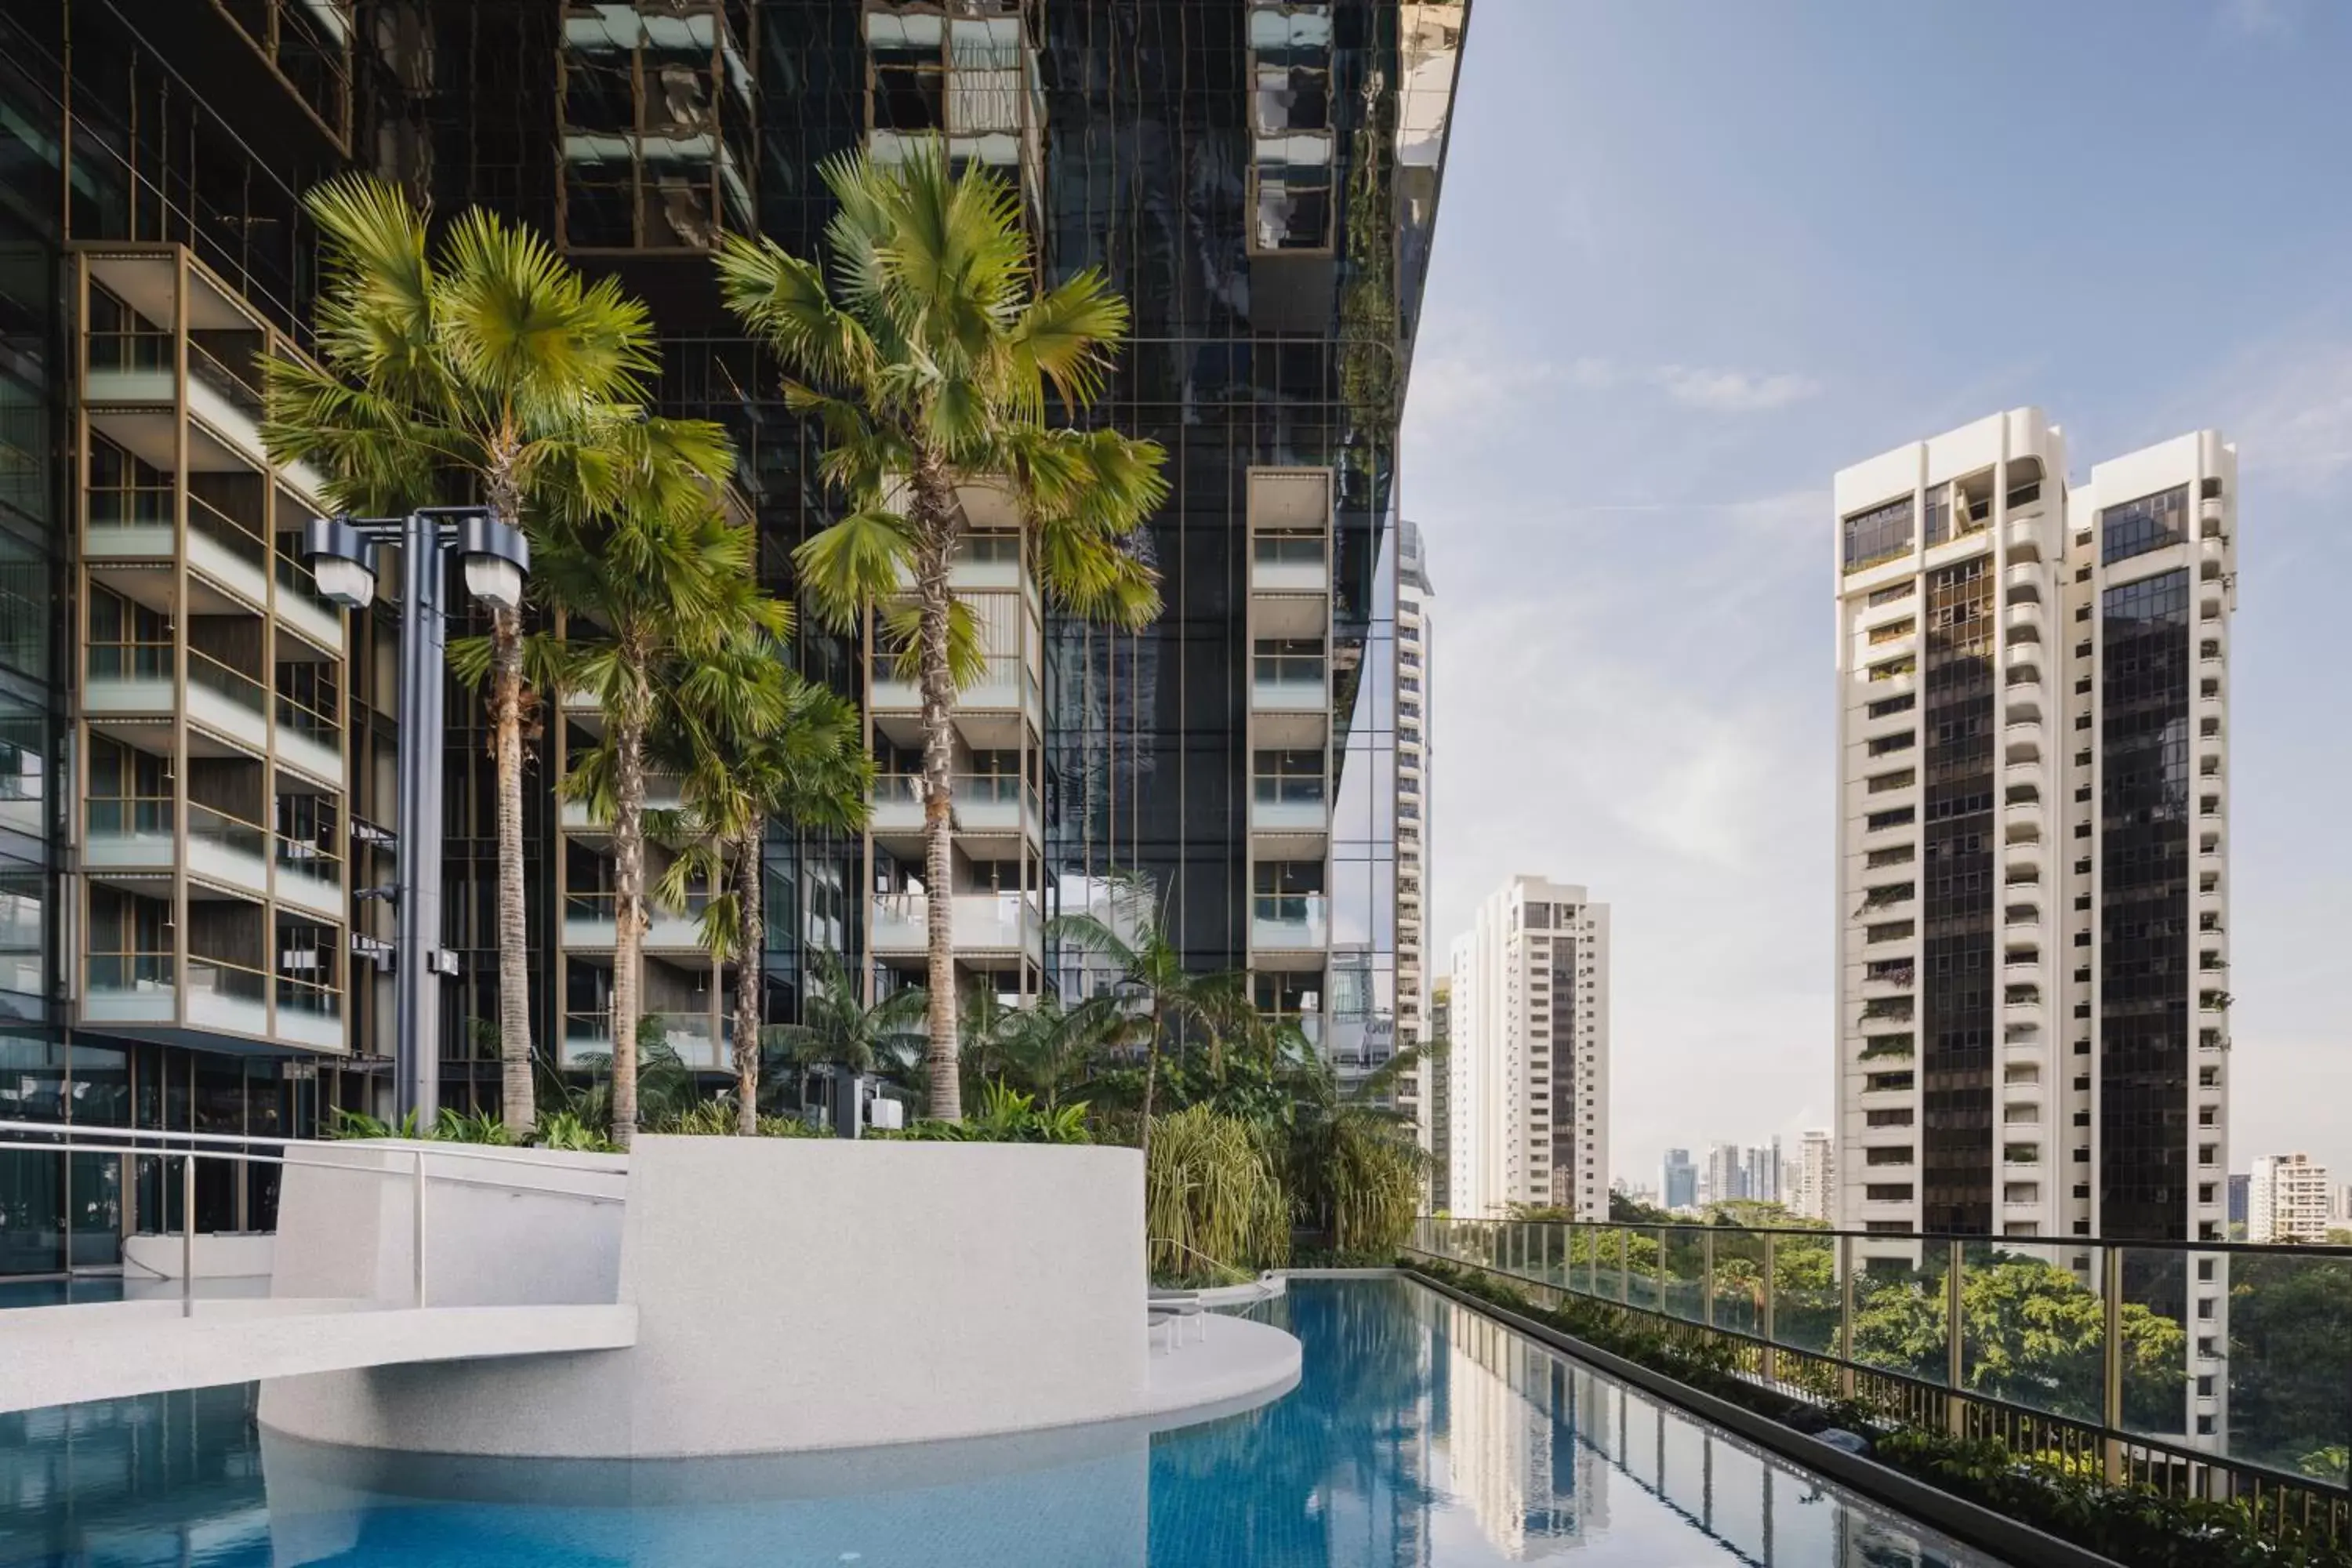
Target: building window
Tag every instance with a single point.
(2139, 526)
(1881, 533)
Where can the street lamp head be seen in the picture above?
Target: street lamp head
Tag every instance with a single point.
(343, 560)
(497, 557)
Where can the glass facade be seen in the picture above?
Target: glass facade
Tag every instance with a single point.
(1957, 958)
(2144, 915)
(2148, 524)
(1881, 533)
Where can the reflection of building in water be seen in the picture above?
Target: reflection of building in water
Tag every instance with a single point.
(1511, 1443)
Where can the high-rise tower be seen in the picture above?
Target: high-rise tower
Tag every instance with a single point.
(2032, 943)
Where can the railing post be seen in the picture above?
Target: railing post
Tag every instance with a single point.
(1706, 1270)
(188, 1233)
(1624, 1268)
(1772, 1359)
(2111, 1363)
(1665, 1308)
(419, 1243)
(1543, 1265)
(1955, 1361)
(1845, 1318)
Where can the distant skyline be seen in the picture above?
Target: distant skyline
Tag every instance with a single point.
(1692, 259)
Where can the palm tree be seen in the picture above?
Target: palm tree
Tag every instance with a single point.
(837, 1030)
(1356, 1166)
(810, 768)
(1040, 1049)
(1152, 997)
(651, 588)
(491, 366)
(926, 355)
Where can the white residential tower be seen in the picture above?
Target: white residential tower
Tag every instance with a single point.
(1527, 1066)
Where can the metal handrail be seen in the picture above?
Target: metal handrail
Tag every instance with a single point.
(133, 1142)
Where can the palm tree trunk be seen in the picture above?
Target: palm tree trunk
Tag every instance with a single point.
(933, 599)
(515, 1086)
(750, 975)
(628, 896)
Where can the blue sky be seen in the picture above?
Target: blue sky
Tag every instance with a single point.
(1694, 258)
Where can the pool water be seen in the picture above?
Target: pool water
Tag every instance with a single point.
(1421, 1436)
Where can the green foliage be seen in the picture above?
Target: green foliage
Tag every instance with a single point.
(838, 1030)
(2291, 1359)
(565, 1130)
(1008, 1116)
(346, 1123)
(1212, 1197)
(2132, 1523)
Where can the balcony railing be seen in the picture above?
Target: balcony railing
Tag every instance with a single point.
(1286, 682)
(235, 387)
(139, 351)
(1289, 922)
(228, 848)
(212, 675)
(1288, 804)
(983, 922)
(129, 662)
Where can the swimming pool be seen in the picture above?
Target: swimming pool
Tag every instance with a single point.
(1421, 1436)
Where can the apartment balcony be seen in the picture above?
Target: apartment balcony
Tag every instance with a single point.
(702, 1043)
(2022, 744)
(129, 834)
(136, 679)
(664, 792)
(2023, 663)
(2029, 777)
(131, 988)
(985, 806)
(2023, 583)
(1289, 683)
(2021, 821)
(310, 743)
(984, 924)
(2023, 535)
(2212, 558)
(2019, 1010)
(2022, 710)
(311, 1015)
(2214, 643)
(2022, 623)
(2019, 912)
(2212, 599)
(984, 562)
(1290, 808)
(228, 852)
(988, 713)
(230, 703)
(1289, 564)
(2212, 796)
(302, 608)
(591, 924)
(310, 876)
(1289, 927)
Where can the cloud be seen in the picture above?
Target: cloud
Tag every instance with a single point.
(2289, 407)
(1733, 391)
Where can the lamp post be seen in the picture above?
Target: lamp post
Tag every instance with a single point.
(341, 553)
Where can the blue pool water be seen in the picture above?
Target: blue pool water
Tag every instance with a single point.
(1421, 1436)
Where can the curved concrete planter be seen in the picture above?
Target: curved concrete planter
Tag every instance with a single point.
(791, 1295)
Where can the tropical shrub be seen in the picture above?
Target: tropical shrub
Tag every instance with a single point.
(1214, 1203)
(1008, 1116)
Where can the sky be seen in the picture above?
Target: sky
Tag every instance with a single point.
(1692, 258)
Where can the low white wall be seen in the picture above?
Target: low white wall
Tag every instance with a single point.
(245, 1255)
(515, 1226)
(792, 1294)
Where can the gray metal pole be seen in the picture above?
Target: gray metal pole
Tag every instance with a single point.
(417, 1041)
(1955, 1345)
(188, 1233)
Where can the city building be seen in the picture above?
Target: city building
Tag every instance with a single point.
(2288, 1198)
(1413, 649)
(1435, 1112)
(2032, 932)
(199, 752)
(2241, 1198)
(1529, 1052)
(1813, 1189)
(1678, 1182)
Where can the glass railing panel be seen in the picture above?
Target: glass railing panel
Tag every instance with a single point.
(237, 687)
(2169, 1318)
(1738, 1280)
(128, 661)
(237, 538)
(144, 506)
(131, 351)
(134, 971)
(311, 862)
(239, 389)
(129, 817)
(1806, 1295)
(2288, 1359)
(2032, 1331)
(222, 831)
(1899, 1310)
(1682, 1273)
(308, 998)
